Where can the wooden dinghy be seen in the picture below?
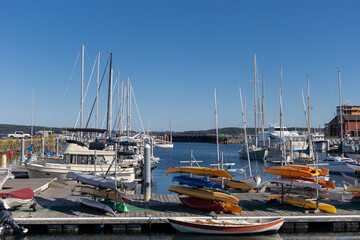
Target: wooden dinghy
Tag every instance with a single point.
(292, 171)
(204, 171)
(243, 184)
(222, 227)
(96, 205)
(300, 202)
(203, 194)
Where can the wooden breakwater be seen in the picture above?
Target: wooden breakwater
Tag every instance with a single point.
(208, 138)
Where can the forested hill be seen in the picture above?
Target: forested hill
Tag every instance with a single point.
(10, 128)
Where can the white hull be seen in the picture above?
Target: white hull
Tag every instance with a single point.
(59, 171)
(241, 227)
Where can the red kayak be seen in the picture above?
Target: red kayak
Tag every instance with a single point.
(201, 204)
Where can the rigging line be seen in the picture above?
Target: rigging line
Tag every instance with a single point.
(102, 79)
(132, 91)
(67, 88)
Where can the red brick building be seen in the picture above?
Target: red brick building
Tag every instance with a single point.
(351, 122)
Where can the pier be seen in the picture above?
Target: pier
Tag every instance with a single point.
(58, 210)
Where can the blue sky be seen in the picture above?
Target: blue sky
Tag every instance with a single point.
(176, 53)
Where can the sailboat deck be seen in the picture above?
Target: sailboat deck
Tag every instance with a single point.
(57, 205)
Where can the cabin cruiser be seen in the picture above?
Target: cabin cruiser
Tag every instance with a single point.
(79, 158)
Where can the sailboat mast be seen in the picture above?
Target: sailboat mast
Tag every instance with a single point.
(82, 89)
(281, 117)
(32, 117)
(216, 127)
(97, 92)
(109, 108)
(255, 129)
(308, 115)
(341, 113)
(128, 106)
(245, 134)
(262, 111)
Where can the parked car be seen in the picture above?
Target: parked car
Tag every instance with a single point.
(19, 134)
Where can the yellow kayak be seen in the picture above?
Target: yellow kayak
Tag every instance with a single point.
(305, 204)
(231, 184)
(203, 194)
(232, 208)
(200, 171)
(292, 171)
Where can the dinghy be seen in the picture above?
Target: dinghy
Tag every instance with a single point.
(17, 198)
(222, 227)
(96, 205)
(209, 205)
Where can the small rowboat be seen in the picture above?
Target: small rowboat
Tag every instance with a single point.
(17, 198)
(96, 205)
(204, 171)
(212, 226)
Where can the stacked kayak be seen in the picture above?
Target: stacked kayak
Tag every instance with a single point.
(302, 177)
(202, 194)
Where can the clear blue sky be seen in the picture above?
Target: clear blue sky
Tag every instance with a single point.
(176, 53)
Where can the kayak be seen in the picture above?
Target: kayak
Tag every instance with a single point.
(196, 182)
(200, 171)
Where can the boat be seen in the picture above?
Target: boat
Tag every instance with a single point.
(203, 194)
(200, 171)
(196, 182)
(338, 164)
(96, 205)
(163, 144)
(292, 171)
(244, 184)
(17, 198)
(351, 188)
(301, 202)
(60, 170)
(255, 153)
(101, 182)
(224, 227)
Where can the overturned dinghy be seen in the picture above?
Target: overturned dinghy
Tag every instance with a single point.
(96, 205)
(98, 181)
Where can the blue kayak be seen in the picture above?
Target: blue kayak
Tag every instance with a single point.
(196, 182)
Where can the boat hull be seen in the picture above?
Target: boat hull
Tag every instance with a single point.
(196, 182)
(254, 154)
(203, 227)
(244, 184)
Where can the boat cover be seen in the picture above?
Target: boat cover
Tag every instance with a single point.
(26, 193)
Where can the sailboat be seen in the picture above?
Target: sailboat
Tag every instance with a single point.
(255, 152)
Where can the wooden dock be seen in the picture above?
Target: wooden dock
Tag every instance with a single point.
(58, 206)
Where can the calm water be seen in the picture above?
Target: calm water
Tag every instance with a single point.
(206, 153)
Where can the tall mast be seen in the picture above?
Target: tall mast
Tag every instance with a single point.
(341, 115)
(32, 117)
(217, 131)
(82, 89)
(109, 108)
(262, 110)
(118, 102)
(128, 106)
(281, 117)
(244, 122)
(308, 115)
(97, 93)
(255, 129)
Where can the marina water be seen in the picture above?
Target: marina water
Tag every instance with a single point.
(205, 152)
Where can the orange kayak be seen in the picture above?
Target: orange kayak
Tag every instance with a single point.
(292, 171)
